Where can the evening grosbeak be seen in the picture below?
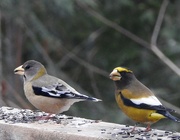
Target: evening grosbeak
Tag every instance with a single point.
(136, 100)
(48, 93)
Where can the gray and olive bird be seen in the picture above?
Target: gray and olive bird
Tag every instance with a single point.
(48, 93)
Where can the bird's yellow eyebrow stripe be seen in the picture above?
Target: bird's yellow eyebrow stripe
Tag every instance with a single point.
(121, 69)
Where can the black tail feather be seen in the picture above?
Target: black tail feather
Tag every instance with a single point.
(94, 99)
(168, 115)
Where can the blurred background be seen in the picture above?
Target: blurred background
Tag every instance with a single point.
(82, 41)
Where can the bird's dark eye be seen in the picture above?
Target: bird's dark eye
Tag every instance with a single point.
(123, 73)
(27, 67)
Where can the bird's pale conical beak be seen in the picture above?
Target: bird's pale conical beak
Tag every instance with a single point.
(19, 70)
(115, 75)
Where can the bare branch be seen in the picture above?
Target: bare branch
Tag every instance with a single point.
(0, 56)
(132, 36)
(70, 54)
(159, 22)
(88, 65)
(113, 25)
(165, 103)
(94, 86)
(135, 38)
(60, 73)
(154, 37)
(165, 59)
(17, 96)
(1, 66)
(92, 37)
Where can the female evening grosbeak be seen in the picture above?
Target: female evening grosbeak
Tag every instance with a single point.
(48, 93)
(136, 100)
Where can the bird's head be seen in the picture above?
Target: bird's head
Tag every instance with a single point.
(119, 73)
(31, 70)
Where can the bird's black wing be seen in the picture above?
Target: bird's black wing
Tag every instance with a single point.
(159, 108)
(56, 91)
(128, 102)
(59, 90)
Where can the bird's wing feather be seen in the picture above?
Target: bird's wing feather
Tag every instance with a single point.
(150, 100)
(57, 90)
(151, 103)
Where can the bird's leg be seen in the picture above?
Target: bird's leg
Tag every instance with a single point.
(48, 116)
(134, 128)
(148, 128)
(45, 117)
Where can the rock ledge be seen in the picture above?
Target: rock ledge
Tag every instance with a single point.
(17, 124)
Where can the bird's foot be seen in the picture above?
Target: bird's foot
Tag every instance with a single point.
(45, 117)
(134, 129)
(148, 128)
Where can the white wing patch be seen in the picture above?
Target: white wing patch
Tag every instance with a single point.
(59, 90)
(151, 100)
(54, 92)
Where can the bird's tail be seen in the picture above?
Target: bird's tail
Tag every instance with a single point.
(85, 97)
(169, 116)
(94, 99)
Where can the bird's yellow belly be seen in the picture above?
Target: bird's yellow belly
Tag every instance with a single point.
(138, 115)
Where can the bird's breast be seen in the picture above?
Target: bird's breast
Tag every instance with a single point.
(47, 104)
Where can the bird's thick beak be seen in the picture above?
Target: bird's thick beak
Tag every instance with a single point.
(115, 75)
(19, 70)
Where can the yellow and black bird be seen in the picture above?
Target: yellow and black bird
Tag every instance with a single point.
(136, 100)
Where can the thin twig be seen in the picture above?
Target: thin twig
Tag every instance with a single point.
(159, 21)
(88, 65)
(165, 103)
(132, 36)
(113, 25)
(165, 59)
(1, 75)
(71, 55)
(61, 74)
(18, 97)
(154, 37)
(1, 68)
(94, 86)
(93, 36)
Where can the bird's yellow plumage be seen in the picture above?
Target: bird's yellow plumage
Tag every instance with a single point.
(121, 69)
(138, 115)
(136, 100)
(40, 73)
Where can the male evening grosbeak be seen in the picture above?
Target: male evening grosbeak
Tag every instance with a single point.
(48, 93)
(136, 100)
